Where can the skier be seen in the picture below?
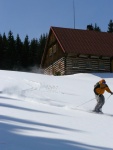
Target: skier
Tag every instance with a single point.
(99, 90)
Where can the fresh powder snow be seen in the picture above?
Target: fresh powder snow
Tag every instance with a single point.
(42, 112)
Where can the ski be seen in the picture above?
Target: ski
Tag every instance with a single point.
(91, 111)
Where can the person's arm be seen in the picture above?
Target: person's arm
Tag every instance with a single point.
(108, 90)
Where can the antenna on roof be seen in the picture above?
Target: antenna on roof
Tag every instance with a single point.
(74, 12)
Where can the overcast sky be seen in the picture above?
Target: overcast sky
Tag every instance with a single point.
(34, 17)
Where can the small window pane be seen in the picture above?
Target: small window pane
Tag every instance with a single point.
(75, 64)
(101, 65)
(50, 52)
(54, 48)
(88, 64)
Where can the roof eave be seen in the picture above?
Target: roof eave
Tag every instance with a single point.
(57, 39)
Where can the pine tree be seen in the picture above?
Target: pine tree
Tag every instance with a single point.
(1, 51)
(97, 28)
(19, 50)
(42, 42)
(33, 52)
(110, 27)
(5, 49)
(11, 53)
(16, 55)
(25, 53)
(90, 27)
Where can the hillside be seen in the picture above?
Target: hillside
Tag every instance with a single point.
(39, 112)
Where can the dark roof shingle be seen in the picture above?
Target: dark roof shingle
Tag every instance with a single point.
(84, 41)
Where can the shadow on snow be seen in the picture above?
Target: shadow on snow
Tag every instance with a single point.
(11, 140)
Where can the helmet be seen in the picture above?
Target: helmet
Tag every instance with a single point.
(103, 81)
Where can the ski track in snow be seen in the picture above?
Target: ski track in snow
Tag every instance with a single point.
(32, 93)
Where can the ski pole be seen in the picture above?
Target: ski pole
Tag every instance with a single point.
(85, 102)
(108, 97)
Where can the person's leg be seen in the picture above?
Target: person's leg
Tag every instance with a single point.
(100, 102)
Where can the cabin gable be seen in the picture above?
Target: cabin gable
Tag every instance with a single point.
(53, 51)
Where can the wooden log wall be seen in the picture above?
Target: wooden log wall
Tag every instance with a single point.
(65, 66)
(56, 68)
(70, 69)
(112, 65)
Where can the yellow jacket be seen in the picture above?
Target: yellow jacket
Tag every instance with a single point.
(100, 88)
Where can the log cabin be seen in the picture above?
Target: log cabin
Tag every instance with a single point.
(69, 51)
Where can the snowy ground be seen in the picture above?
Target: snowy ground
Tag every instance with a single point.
(39, 112)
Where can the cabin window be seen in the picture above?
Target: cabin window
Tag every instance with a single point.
(75, 64)
(88, 64)
(54, 48)
(50, 51)
(101, 65)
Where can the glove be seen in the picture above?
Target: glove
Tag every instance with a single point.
(111, 93)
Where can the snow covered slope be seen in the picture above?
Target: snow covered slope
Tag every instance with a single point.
(39, 112)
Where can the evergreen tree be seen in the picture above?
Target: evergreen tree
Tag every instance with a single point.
(33, 52)
(42, 41)
(25, 53)
(1, 51)
(11, 53)
(5, 50)
(110, 27)
(97, 28)
(19, 50)
(90, 27)
(16, 55)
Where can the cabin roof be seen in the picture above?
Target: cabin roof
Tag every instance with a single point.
(84, 41)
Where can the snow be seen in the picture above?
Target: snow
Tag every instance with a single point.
(41, 112)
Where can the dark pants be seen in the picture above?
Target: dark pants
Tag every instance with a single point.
(100, 102)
